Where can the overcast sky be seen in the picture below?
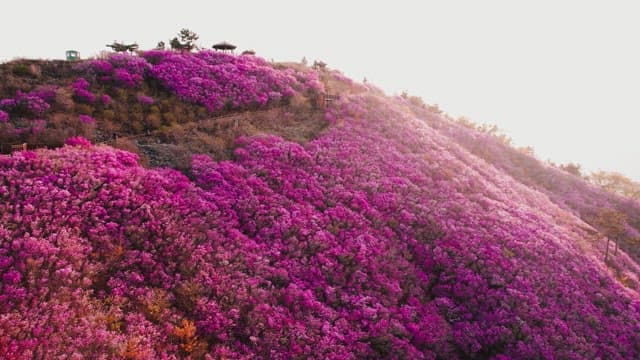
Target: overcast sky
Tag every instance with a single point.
(560, 76)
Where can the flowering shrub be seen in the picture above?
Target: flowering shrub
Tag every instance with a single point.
(7, 104)
(101, 67)
(37, 126)
(86, 119)
(216, 80)
(4, 117)
(310, 82)
(105, 99)
(119, 69)
(81, 91)
(33, 104)
(212, 79)
(134, 65)
(146, 100)
(80, 83)
(46, 92)
(77, 141)
(123, 78)
(26, 104)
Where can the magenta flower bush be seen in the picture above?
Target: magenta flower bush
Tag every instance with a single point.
(216, 80)
(382, 238)
(309, 81)
(32, 104)
(7, 104)
(4, 117)
(86, 119)
(135, 65)
(78, 141)
(81, 91)
(145, 100)
(124, 78)
(118, 69)
(101, 67)
(38, 125)
(211, 79)
(46, 93)
(105, 99)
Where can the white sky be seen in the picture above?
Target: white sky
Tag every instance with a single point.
(561, 76)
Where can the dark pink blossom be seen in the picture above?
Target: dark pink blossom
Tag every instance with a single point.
(146, 100)
(78, 141)
(105, 99)
(81, 91)
(86, 119)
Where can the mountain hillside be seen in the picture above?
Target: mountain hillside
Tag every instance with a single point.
(306, 216)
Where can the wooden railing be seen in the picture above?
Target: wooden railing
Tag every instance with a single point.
(6, 148)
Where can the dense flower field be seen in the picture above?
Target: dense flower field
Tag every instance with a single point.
(161, 82)
(382, 238)
(217, 80)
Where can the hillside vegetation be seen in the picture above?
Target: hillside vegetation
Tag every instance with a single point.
(368, 227)
(131, 102)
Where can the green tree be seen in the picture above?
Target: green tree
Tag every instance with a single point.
(185, 41)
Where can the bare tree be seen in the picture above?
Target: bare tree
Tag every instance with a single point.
(611, 223)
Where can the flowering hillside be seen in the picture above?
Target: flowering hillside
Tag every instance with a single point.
(566, 190)
(382, 237)
(44, 102)
(216, 79)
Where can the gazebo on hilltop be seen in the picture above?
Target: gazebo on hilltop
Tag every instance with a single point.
(224, 47)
